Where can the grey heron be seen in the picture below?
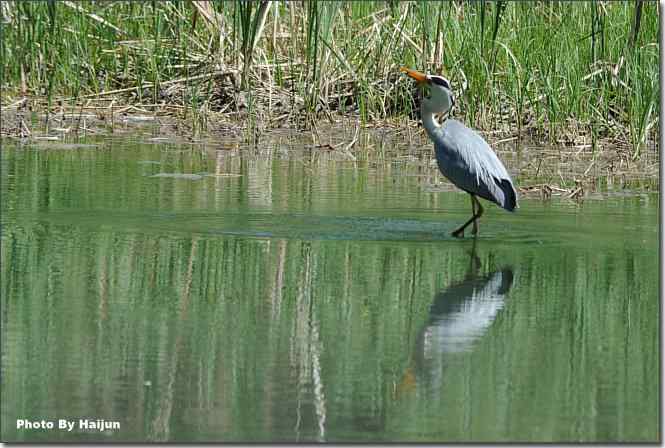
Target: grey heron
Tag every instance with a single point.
(462, 155)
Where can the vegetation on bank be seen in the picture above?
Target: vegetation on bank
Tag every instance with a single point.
(567, 71)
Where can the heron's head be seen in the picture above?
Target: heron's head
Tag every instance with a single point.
(438, 96)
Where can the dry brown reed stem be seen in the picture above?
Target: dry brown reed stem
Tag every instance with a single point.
(93, 16)
(165, 83)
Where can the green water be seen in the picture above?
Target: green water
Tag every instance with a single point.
(300, 298)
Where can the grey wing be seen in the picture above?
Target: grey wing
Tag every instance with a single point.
(467, 160)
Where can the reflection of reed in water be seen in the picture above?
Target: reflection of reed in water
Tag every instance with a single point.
(459, 316)
(306, 355)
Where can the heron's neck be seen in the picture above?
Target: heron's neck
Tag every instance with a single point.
(430, 122)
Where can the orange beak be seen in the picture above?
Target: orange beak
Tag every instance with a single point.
(420, 77)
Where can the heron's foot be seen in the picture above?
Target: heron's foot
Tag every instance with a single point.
(459, 233)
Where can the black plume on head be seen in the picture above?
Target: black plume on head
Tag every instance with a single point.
(441, 81)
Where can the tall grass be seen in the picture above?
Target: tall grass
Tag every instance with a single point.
(552, 67)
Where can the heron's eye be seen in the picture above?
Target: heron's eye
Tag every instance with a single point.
(443, 82)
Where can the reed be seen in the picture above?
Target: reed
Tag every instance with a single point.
(563, 71)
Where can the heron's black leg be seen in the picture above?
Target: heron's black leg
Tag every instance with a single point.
(459, 233)
(478, 212)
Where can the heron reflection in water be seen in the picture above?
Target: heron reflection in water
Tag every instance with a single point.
(459, 317)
